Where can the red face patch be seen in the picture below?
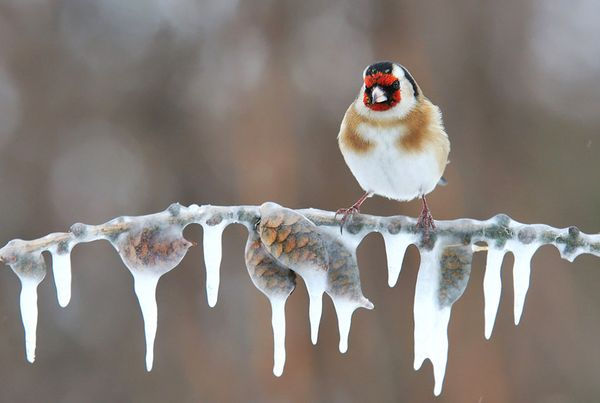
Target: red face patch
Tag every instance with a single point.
(386, 81)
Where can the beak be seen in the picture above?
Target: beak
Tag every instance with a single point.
(378, 95)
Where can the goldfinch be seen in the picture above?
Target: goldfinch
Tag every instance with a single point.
(393, 140)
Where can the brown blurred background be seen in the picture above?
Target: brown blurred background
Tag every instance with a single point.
(114, 107)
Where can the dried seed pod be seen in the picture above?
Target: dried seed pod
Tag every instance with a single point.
(152, 247)
(295, 243)
(325, 263)
(149, 249)
(292, 238)
(277, 283)
(455, 265)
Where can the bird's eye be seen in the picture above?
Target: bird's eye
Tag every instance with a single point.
(396, 85)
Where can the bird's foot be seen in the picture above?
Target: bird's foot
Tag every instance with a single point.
(346, 212)
(425, 220)
(350, 211)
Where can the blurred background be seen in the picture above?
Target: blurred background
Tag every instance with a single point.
(111, 107)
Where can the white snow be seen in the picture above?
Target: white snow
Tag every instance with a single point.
(395, 248)
(278, 323)
(144, 284)
(492, 287)
(61, 266)
(212, 259)
(521, 273)
(431, 320)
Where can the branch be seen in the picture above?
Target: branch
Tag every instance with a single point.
(284, 244)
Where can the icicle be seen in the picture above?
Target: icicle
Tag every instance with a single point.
(431, 321)
(344, 308)
(29, 315)
(212, 260)
(149, 249)
(316, 283)
(343, 286)
(61, 267)
(442, 278)
(492, 288)
(277, 283)
(31, 270)
(395, 248)
(521, 272)
(144, 285)
(278, 324)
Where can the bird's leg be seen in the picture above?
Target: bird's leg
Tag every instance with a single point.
(355, 208)
(425, 220)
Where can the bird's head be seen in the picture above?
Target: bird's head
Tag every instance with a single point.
(388, 85)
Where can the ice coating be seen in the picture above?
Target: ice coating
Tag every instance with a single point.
(31, 270)
(325, 262)
(492, 287)
(442, 278)
(395, 248)
(61, 267)
(149, 249)
(212, 244)
(521, 273)
(277, 283)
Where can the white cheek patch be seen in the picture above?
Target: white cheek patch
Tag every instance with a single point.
(398, 72)
(407, 91)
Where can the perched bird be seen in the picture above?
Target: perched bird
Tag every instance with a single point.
(393, 140)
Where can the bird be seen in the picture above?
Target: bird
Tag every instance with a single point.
(393, 140)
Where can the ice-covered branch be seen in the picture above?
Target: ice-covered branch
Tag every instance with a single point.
(284, 243)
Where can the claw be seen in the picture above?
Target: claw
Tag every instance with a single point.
(350, 211)
(346, 212)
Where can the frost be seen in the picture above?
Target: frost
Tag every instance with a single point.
(212, 259)
(149, 249)
(492, 287)
(31, 270)
(61, 267)
(395, 248)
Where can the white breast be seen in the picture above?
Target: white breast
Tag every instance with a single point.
(388, 171)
